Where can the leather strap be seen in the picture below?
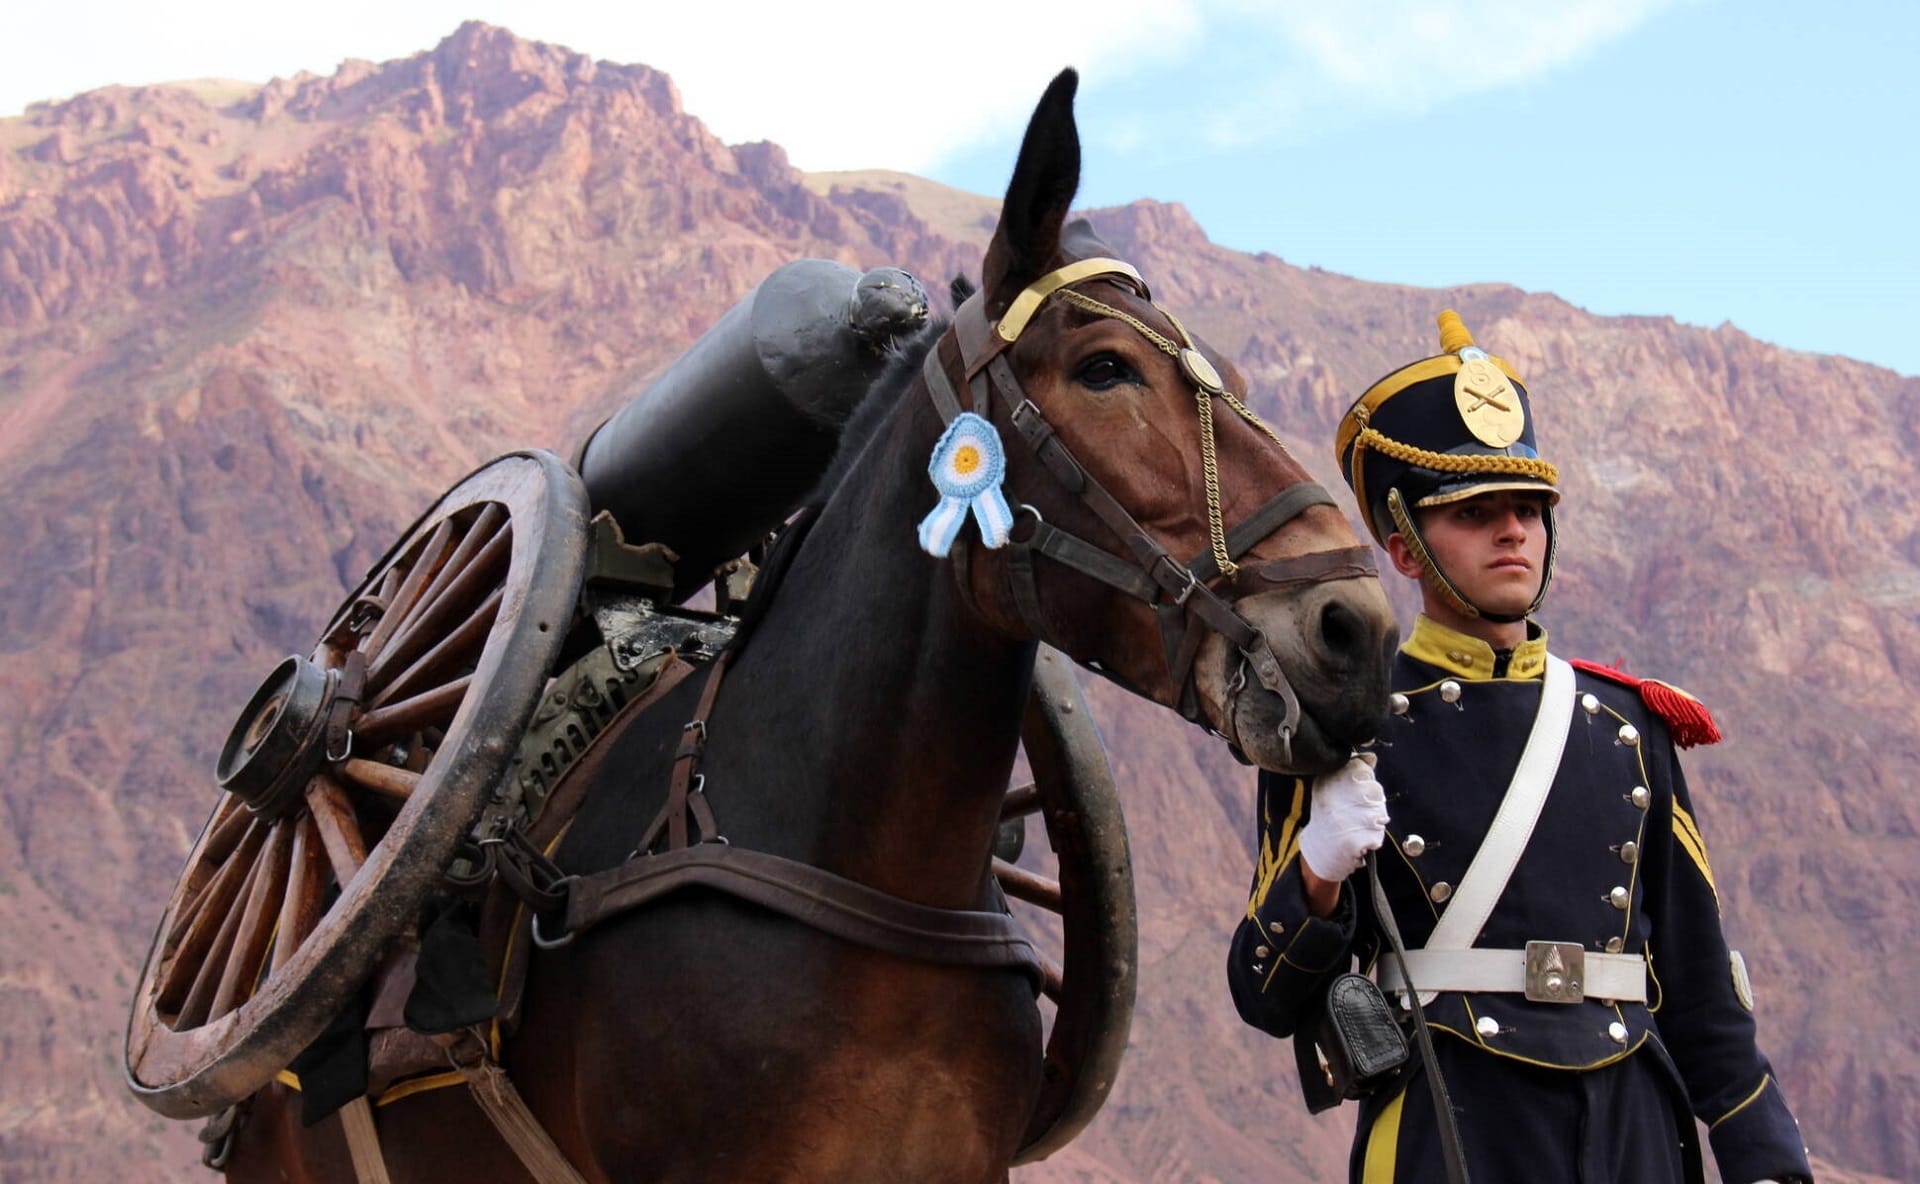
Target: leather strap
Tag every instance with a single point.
(686, 793)
(1026, 591)
(1281, 508)
(346, 698)
(1084, 557)
(833, 904)
(973, 333)
(1316, 567)
(1616, 977)
(1486, 879)
(940, 387)
(1452, 1152)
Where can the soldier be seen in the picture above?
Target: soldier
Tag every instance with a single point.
(1584, 1004)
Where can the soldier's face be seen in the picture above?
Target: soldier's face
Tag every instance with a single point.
(1493, 547)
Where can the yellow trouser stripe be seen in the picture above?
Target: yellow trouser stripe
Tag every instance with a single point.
(1383, 1144)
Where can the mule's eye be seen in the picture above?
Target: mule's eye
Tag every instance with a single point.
(1104, 372)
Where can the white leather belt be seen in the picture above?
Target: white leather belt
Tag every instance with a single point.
(1546, 972)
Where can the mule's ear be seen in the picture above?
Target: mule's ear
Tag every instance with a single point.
(1044, 182)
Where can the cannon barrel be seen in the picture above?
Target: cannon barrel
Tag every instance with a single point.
(722, 446)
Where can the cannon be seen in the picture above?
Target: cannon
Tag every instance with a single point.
(719, 448)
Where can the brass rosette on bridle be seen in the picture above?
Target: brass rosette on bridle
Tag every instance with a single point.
(1441, 430)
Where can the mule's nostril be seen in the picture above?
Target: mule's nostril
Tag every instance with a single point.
(1341, 633)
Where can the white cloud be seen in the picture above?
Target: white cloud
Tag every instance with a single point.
(1410, 53)
(1408, 56)
(900, 85)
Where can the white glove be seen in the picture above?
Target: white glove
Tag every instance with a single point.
(1349, 819)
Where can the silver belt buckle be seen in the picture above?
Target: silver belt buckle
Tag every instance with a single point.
(1556, 972)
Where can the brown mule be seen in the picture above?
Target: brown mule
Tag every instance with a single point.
(868, 728)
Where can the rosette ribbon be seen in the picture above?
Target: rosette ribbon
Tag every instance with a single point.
(968, 465)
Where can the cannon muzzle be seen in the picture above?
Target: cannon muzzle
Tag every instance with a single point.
(721, 447)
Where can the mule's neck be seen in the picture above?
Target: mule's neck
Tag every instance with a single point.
(896, 711)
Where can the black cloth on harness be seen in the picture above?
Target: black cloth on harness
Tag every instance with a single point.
(333, 1069)
(451, 986)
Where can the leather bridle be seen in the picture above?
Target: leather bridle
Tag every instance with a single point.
(971, 356)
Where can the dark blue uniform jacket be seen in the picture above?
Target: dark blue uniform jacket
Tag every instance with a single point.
(1618, 817)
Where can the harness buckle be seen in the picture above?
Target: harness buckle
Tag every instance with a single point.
(540, 939)
(1167, 572)
(1193, 582)
(1556, 972)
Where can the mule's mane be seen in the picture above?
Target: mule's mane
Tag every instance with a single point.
(900, 371)
(894, 381)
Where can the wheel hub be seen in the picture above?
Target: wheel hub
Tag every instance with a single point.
(276, 746)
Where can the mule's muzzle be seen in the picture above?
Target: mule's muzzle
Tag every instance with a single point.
(1334, 644)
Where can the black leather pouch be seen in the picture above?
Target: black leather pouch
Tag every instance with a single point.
(1349, 1045)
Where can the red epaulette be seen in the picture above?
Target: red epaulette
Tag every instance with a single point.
(1687, 717)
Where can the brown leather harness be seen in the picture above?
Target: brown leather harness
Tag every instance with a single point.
(812, 896)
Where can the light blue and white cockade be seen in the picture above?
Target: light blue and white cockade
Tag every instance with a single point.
(968, 465)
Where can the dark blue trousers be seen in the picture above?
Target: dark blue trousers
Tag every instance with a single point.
(1625, 1123)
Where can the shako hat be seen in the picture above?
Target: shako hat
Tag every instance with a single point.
(1440, 430)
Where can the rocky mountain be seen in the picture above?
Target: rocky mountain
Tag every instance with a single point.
(247, 333)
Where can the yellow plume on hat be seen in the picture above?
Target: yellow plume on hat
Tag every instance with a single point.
(1453, 332)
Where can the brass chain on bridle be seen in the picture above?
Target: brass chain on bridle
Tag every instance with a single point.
(1206, 387)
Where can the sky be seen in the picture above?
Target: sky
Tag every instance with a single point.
(1752, 161)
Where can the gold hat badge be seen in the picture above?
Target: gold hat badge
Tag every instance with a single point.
(1488, 404)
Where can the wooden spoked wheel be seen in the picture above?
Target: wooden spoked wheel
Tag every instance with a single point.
(349, 781)
(1088, 913)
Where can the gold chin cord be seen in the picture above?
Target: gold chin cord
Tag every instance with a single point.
(1207, 386)
(1410, 531)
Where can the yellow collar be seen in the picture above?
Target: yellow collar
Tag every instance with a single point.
(1469, 657)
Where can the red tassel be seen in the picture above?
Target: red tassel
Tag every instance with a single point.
(1688, 719)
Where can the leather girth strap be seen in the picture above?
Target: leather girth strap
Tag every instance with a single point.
(815, 898)
(812, 896)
